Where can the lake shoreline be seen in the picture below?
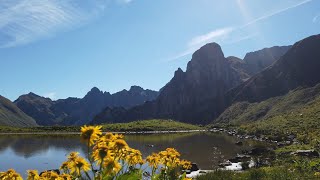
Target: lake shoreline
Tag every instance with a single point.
(115, 132)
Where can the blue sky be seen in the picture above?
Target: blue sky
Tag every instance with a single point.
(64, 48)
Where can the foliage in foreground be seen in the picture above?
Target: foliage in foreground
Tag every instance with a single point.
(265, 173)
(110, 158)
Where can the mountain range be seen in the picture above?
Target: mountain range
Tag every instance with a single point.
(195, 96)
(214, 88)
(79, 111)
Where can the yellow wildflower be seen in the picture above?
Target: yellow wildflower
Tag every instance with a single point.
(11, 174)
(109, 136)
(120, 144)
(101, 152)
(64, 165)
(153, 160)
(65, 177)
(185, 164)
(49, 175)
(78, 165)
(118, 136)
(15, 176)
(33, 175)
(134, 157)
(72, 156)
(112, 166)
(90, 134)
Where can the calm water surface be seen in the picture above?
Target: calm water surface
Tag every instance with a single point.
(23, 152)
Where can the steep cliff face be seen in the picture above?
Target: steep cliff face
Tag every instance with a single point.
(208, 75)
(240, 66)
(259, 60)
(76, 111)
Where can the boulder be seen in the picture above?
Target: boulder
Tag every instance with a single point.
(308, 153)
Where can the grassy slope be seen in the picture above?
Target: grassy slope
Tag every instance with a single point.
(151, 125)
(298, 112)
(11, 115)
(146, 125)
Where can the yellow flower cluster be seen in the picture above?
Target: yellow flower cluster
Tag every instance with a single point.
(108, 157)
(75, 164)
(34, 175)
(47, 175)
(10, 175)
(168, 158)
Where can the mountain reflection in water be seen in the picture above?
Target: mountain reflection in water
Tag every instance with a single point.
(23, 152)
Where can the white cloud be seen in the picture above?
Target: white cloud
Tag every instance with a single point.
(316, 18)
(209, 37)
(242, 38)
(124, 1)
(275, 13)
(51, 95)
(224, 34)
(198, 41)
(24, 21)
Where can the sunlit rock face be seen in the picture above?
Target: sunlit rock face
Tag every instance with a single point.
(208, 75)
(258, 60)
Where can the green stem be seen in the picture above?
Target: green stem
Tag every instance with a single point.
(87, 175)
(90, 158)
(101, 165)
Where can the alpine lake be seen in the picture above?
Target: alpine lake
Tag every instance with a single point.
(46, 152)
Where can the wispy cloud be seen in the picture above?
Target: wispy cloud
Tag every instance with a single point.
(316, 18)
(24, 21)
(198, 41)
(51, 95)
(242, 38)
(208, 37)
(275, 13)
(223, 35)
(125, 1)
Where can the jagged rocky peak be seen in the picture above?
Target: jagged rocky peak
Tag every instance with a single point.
(136, 89)
(31, 95)
(209, 51)
(178, 73)
(207, 55)
(94, 92)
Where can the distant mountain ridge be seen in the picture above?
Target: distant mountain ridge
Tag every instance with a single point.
(298, 67)
(209, 75)
(210, 84)
(11, 115)
(79, 111)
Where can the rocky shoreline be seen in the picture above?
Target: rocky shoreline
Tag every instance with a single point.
(259, 156)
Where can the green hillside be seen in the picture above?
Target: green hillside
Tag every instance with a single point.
(151, 125)
(297, 112)
(11, 115)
